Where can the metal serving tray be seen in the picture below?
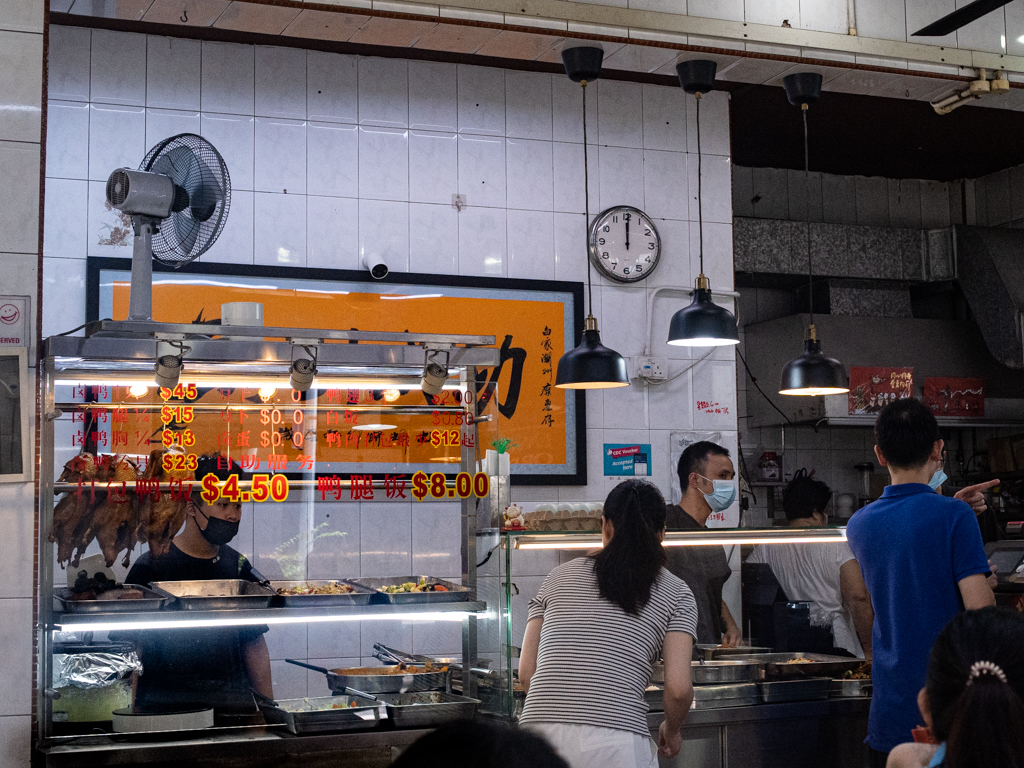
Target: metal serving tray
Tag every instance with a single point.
(722, 696)
(777, 666)
(807, 689)
(303, 716)
(361, 596)
(150, 601)
(715, 672)
(423, 710)
(215, 594)
(850, 689)
(456, 592)
(710, 652)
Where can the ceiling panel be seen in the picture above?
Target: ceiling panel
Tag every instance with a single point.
(457, 38)
(828, 74)
(512, 44)
(857, 81)
(198, 13)
(133, 10)
(753, 70)
(400, 33)
(325, 25)
(640, 58)
(258, 19)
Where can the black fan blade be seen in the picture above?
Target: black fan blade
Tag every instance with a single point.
(960, 18)
(187, 231)
(206, 195)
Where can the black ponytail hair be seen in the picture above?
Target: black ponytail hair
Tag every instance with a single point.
(627, 567)
(978, 715)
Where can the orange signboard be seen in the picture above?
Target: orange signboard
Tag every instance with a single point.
(533, 323)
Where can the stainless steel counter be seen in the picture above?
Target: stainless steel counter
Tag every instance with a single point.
(811, 734)
(372, 749)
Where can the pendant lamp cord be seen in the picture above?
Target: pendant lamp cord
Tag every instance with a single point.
(807, 211)
(586, 198)
(700, 213)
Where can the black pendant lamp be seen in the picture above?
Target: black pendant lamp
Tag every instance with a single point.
(812, 373)
(703, 323)
(591, 365)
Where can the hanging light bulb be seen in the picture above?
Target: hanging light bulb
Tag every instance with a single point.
(138, 390)
(591, 365)
(266, 393)
(703, 323)
(812, 373)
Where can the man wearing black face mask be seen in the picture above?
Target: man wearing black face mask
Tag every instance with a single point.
(214, 666)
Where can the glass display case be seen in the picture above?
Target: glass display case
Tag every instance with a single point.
(354, 477)
(515, 564)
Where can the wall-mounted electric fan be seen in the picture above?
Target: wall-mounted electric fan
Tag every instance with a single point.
(178, 201)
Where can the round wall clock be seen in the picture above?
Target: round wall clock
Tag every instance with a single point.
(624, 244)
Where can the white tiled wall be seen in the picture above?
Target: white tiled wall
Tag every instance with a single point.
(333, 157)
(21, 78)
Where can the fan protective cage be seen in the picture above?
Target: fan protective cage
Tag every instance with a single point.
(203, 196)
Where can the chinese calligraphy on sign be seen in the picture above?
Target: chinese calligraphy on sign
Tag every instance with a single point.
(871, 389)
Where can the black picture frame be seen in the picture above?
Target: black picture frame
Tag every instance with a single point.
(96, 265)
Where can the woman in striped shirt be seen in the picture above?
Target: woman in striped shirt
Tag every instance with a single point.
(594, 630)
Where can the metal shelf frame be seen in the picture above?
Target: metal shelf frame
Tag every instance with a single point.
(121, 350)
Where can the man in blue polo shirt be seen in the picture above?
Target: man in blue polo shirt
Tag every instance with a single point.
(923, 561)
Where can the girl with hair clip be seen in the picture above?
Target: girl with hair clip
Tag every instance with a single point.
(595, 628)
(973, 700)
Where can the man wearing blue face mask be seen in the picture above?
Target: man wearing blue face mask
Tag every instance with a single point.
(707, 480)
(923, 561)
(215, 666)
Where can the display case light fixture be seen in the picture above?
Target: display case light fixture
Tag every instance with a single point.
(74, 624)
(219, 382)
(725, 538)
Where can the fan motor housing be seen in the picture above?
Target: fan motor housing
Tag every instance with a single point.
(141, 193)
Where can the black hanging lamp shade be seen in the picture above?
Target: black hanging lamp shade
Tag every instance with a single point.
(703, 323)
(813, 373)
(591, 365)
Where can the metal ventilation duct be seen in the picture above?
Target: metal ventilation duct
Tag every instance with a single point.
(990, 270)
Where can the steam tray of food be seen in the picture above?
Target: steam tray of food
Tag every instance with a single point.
(308, 594)
(416, 589)
(215, 594)
(101, 595)
(323, 715)
(784, 666)
(399, 678)
(428, 708)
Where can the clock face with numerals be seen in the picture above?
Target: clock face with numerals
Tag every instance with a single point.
(624, 244)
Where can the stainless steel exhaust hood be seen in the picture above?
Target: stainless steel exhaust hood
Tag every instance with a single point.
(990, 270)
(931, 347)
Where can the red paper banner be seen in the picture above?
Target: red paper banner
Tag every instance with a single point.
(871, 389)
(949, 396)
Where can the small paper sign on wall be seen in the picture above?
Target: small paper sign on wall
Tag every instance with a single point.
(949, 396)
(14, 321)
(627, 460)
(871, 388)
